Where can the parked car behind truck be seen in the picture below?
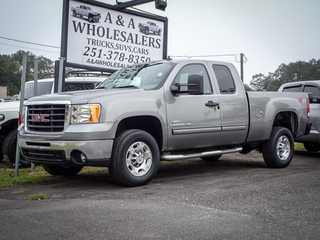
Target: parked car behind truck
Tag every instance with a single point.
(163, 110)
(311, 142)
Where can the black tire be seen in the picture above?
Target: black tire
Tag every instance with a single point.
(90, 18)
(312, 147)
(147, 31)
(135, 158)
(9, 150)
(74, 13)
(61, 170)
(278, 150)
(213, 158)
(2, 137)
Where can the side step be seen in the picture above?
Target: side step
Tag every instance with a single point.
(202, 154)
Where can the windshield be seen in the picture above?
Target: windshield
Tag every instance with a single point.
(144, 76)
(43, 88)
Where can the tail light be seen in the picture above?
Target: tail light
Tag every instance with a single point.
(19, 120)
(308, 108)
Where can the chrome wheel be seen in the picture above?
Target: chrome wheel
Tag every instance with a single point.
(283, 148)
(139, 159)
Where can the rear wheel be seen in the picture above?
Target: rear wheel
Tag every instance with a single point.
(62, 170)
(135, 158)
(278, 150)
(312, 147)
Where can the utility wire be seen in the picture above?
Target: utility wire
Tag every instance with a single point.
(28, 48)
(43, 45)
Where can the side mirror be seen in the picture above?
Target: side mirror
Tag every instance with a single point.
(194, 85)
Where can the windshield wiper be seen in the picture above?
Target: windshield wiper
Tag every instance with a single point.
(128, 86)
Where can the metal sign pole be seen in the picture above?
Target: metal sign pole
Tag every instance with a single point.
(23, 80)
(35, 89)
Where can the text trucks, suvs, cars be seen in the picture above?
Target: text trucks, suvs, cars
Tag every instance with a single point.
(165, 110)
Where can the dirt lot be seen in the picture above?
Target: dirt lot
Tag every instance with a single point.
(237, 197)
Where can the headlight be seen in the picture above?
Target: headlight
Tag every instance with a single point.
(2, 117)
(88, 113)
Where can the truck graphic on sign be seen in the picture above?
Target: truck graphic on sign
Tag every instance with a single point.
(86, 11)
(148, 27)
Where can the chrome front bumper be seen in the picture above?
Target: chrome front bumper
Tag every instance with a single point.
(97, 153)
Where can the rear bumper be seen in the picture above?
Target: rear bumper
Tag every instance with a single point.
(67, 153)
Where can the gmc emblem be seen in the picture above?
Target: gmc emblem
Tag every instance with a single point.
(39, 118)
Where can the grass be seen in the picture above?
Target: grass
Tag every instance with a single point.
(39, 196)
(26, 175)
(299, 146)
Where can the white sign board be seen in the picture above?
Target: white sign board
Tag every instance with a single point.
(99, 37)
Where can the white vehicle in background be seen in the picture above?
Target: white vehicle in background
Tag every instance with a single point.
(9, 111)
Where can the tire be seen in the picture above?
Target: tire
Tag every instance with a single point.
(159, 32)
(9, 150)
(278, 150)
(135, 158)
(2, 137)
(312, 147)
(213, 158)
(147, 31)
(61, 170)
(74, 13)
(90, 18)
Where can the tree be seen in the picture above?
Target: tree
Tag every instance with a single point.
(11, 69)
(10, 74)
(298, 71)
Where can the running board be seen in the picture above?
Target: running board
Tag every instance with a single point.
(202, 154)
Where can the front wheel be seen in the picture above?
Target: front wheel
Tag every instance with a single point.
(62, 170)
(135, 158)
(278, 150)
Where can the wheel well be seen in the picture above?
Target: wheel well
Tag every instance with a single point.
(288, 120)
(9, 126)
(149, 124)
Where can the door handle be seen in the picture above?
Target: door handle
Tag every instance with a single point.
(212, 104)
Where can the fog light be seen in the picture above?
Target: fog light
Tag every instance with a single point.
(2, 117)
(83, 157)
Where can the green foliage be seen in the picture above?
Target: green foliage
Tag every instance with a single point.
(11, 69)
(39, 196)
(246, 87)
(298, 71)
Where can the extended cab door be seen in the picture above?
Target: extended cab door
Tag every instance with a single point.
(233, 105)
(193, 120)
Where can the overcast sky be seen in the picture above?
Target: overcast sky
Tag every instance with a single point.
(268, 32)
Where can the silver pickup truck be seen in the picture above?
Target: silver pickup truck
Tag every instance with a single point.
(311, 141)
(164, 110)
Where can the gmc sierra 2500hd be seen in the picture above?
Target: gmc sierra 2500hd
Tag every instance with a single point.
(164, 110)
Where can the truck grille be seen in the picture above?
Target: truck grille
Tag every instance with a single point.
(46, 118)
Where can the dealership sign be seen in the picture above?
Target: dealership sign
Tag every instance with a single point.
(100, 36)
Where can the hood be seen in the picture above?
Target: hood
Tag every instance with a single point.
(82, 97)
